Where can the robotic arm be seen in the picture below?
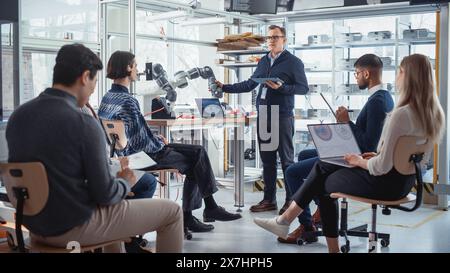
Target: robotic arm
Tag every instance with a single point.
(180, 80)
(194, 73)
(156, 72)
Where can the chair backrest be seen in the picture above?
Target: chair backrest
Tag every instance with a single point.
(33, 177)
(408, 154)
(115, 130)
(406, 147)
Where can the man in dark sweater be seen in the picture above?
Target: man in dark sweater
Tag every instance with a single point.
(85, 203)
(279, 97)
(367, 131)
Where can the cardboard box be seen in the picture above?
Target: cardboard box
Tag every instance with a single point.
(429, 198)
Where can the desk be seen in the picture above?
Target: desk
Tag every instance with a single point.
(3, 195)
(237, 123)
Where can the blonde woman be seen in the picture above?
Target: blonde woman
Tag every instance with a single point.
(375, 176)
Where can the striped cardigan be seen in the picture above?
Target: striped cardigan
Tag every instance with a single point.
(118, 104)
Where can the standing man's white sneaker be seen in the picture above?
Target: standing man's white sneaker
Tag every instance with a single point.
(271, 225)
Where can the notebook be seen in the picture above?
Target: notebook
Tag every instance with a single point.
(333, 141)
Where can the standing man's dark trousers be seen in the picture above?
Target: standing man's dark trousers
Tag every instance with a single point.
(193, 161)
(285, 150)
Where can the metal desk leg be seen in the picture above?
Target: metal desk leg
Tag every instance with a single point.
(165, 176)
(238, 150)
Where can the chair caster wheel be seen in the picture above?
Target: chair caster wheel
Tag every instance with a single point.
(385, 243)
(345, 249)
(300, 242)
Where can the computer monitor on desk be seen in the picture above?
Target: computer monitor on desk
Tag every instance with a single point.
(209, 108)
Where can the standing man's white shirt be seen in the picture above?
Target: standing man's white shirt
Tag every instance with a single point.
(376, 88)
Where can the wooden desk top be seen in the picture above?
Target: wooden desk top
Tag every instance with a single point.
(201, 122)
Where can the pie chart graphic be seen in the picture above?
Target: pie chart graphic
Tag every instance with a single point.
(344, 132)
(323, 132)
(212, 111)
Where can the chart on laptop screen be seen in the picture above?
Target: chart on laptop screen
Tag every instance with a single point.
(332, 140)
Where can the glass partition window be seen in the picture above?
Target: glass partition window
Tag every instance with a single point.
(7, 74)
(60, 19)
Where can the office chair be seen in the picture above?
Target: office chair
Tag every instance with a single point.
(408, 154)
(28, 190)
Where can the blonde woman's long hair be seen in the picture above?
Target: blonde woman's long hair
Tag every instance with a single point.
(418, 92)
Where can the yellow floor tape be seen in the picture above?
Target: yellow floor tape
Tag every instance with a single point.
(427, 219)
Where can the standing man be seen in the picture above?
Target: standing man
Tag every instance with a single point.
(278, 63)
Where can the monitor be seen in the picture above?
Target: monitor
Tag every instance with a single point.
(263, 6)
(254, 6)
(209, 107)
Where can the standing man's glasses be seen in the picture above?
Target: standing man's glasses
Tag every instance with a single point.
(275, 38)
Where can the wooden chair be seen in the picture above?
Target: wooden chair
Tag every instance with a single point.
(27, 189)
(408, 154)
(115, 131)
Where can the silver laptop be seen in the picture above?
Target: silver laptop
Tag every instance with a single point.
(333, 141)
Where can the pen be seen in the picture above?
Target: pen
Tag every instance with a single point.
(350, 111)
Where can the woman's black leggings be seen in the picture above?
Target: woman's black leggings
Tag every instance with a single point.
(326, 178)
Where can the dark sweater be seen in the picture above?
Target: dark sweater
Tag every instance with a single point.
(51, 129)
(288, 68)
(369, 123)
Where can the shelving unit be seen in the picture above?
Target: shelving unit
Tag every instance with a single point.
(339, 76)
(236, 67)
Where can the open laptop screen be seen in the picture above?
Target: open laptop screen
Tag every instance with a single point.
(209, 107)
(334, 139)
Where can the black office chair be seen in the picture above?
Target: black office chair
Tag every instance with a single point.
(408, 154)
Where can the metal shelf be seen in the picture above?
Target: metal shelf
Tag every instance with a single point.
(366, 43)
(310, 47)
(238, 65)
(243, 52)
(387, 42)
(385, 68)
(309, 70)
(420, 41)
(374, 43)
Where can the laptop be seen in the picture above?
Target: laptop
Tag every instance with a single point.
(209, 107)
(333, 141)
